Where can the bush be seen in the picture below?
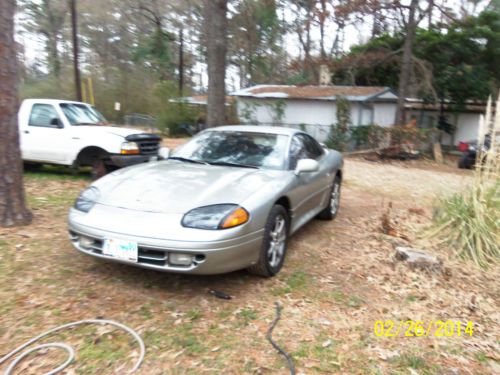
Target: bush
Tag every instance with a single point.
(337, 139)
(171, 117)
(368, 136)
(468, 221)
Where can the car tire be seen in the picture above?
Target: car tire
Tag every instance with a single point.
(274, 246)
(330, 211)
(99, 168)
(464, 162)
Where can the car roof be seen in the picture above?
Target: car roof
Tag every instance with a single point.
(52, 101)
(257, 129)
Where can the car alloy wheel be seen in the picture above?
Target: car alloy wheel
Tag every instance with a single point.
(335, 198)
(274, 244)
(277, 244)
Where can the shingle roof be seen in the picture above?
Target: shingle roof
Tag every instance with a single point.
(313, 92)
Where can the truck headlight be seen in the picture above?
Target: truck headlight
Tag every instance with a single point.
(218, 216)
(87, 199)
(129, 148)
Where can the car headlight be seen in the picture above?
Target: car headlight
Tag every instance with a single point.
(87, 199)
(218, 216)
(129, 148)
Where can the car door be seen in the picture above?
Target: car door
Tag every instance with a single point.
(308, 192)
(45, 136)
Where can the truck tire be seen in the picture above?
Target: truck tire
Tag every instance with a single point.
(99, 168)
(32, 167)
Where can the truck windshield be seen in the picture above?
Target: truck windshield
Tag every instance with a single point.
(80, 114)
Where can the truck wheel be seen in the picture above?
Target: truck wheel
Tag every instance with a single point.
(99, 168)
(32, 167)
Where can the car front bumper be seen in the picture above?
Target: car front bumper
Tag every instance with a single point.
(122, 161)
(213, 257)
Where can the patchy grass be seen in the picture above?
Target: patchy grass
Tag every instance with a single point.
(339, 278)
(418, 363)
(55, 172)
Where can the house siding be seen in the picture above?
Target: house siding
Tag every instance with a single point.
(315, 115)
(467, 124)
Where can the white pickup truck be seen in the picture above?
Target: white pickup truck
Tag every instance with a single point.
(76, 134)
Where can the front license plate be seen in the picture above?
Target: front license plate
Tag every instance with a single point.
(120, 249)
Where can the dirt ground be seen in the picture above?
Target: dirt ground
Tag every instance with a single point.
(339, 279)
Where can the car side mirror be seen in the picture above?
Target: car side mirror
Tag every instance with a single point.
(306, 165)
(163, 153)
(56, 122)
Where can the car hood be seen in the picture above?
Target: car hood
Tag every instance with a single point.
(177, 187)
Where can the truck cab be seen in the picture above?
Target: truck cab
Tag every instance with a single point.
(76, 134)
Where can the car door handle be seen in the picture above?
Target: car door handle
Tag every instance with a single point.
(75, 138)
(26, 132)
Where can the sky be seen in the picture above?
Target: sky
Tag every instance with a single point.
(354, 34)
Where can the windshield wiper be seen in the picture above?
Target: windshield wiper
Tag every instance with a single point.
(229, 164)
(180, 158)
(86, 123)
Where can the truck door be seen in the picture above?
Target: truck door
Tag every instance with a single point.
(45, 136)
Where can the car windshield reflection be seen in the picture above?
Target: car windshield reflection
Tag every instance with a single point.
(238, 149)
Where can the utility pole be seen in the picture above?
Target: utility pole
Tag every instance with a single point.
(181, 61)
(74, 30)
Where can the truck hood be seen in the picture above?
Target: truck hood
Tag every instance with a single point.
(175, 187)
(121, 132)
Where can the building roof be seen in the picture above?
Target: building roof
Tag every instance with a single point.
(420, 104)
(352, 93)
(198, 100)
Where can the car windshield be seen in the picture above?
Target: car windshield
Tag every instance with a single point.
(235, 148)
(80, 114)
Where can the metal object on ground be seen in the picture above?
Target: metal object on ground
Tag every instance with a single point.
(69, 349)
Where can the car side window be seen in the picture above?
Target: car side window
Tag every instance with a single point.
(313, 148)
(44, 115)
(297, 151)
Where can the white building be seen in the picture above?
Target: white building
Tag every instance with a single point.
(314, 108)
(466, 121)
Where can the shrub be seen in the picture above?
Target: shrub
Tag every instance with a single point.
(468, 221)
(171, 116)
(368, 136)
(338, 137)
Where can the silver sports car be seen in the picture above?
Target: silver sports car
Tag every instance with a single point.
(226, 200)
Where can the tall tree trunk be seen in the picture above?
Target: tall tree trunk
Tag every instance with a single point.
(322, 20)
(404, 76)
(215, 22)
(53, 56)
(181, 61)
(76, 67)
(12, 206)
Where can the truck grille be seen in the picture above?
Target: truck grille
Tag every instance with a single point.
(149, 147)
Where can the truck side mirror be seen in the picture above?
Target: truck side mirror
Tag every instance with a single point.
(56, 123)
